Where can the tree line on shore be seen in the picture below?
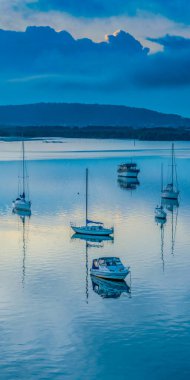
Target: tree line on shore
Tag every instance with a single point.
(103, 132)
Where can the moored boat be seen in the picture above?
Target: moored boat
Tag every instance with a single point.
(22, 202)
(128, 170)
(171, 190)
(109, 268)
(160, 213)
(91, 227)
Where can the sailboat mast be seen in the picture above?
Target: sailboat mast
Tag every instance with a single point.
(86, 197)
(87, 272)
(172, 165)
(24, 249)
(23, 167)
(161, 177)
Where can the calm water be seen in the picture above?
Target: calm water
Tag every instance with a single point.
(54, 322)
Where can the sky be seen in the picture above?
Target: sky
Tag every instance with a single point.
(131, 52)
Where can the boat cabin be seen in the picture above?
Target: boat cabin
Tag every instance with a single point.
(107, 262)
(128, 167)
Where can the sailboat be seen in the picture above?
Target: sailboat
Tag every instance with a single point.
(92, 227)
(171, 190)
(159, 210)
(22, 202)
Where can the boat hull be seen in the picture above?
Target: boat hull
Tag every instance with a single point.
(117, 276)
(173, 195)
(162, 217)
(160, 214)
(93, 232)
(129, 174)
(93, 238)
(20, 205)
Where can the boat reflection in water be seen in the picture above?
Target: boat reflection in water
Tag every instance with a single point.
(24, 216)
(170, 204)
(110, 289)
(126, 183)
(91, 242)
(93, 238)
(161, 223)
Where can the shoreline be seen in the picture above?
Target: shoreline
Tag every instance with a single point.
(53, 133)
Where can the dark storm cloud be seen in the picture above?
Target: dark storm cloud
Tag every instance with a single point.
(173, 9)
(170, 67)
(43, 65)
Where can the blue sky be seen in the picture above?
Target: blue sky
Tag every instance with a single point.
(132, 52)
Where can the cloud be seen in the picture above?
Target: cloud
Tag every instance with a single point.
(41, 64)
(170, 68)
(175, 9)
(18, 14)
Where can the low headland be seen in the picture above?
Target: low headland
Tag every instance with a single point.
(91, 121)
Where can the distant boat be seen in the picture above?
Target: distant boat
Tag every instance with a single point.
(92, 227)
(128, 170)
(159, 210)
(22, 202)
(109, 268)
(160, 213)
(171, 190)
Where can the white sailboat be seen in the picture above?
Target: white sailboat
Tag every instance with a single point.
(92, 227)
(22, 202)
(171, 190)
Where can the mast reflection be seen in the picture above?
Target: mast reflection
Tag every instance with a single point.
(24, 216)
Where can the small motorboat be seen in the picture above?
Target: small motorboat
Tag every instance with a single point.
(109, 268)
(160, 213)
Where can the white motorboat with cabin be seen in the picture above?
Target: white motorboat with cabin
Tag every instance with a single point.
(22, 202)
(171, 190)
(91, 227)
(109, 268)
(128, 170)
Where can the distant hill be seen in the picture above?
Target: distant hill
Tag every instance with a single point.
(83, 115)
